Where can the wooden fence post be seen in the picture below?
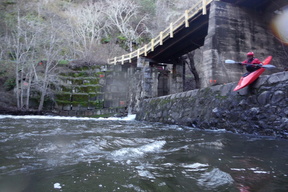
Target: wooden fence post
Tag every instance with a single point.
(138, 53)
(186, 19)
(122, 59)
(171, 30)
(145, 50)
(130, 57)
(204, 11)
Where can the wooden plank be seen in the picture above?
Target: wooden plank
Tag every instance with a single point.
(171, 30)
(145, 50)
(161, 38)
(186, 19)
(138, 53)
(122, 61)
(130, 57)
(152, 44)
(204, 11)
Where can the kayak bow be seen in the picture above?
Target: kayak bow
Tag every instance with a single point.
(250, 78)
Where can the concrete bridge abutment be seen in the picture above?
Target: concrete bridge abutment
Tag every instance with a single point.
(232, 32)
(149, 79)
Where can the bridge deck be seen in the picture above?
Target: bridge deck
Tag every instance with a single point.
(184, 35)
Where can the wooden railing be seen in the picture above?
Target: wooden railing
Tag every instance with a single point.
(167, 33)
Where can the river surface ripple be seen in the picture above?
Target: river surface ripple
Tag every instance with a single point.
(43, 153)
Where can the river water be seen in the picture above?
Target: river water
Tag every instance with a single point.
(42, 153)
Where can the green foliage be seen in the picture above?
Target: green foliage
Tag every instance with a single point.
(12, 55)
(10, 19)
(10, 84)
(7, 69)
(80, 98)
(2, 73)
(105, 40)
(80, 74)
(64, 96)
(32, 16)
(97, 104)
(121, 38)
(63, 62)
(8, 2)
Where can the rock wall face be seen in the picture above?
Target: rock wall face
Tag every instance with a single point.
(233, 31)
(261, 108)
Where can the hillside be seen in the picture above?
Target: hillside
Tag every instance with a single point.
(56, 31)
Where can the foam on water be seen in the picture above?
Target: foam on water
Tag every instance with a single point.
(129, 152)
(214, 179)
(127, 118)
(195, 165)
(57, 186)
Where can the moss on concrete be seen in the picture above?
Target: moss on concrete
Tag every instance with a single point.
(81, 87)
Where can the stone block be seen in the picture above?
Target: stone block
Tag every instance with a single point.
(263, 98)
(173, 96)
(183, 94)
(217, 88)
(63, 113)
(67, 108)
(274, 79)
(226, 89)
(91, 107)
(188, 93)
(277, 96)
(283, 76)
(243, 103)
(79, 113)
(194, 92)
(244, 91)
(72, 113)
(75, 108)
(177, 95)
(260, 81)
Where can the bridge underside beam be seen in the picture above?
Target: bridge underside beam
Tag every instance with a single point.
(184, 41)
(256, 4)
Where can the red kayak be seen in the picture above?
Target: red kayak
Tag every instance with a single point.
(247, 80)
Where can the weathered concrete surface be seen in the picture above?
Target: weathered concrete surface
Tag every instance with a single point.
(233, 31)
(261, 108)
(150, 80)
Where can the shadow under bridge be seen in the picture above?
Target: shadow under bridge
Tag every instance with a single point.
(182, 36)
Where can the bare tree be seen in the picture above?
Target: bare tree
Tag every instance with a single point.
(168, 11)
(124, 16)
(87, 25)
(22, 44)
(51, 50)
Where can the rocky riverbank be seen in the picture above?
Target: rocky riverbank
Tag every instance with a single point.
(261, 108)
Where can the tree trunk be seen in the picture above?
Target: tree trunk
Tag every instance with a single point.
(42, 98)
(17, 85)
(21, 90)
(29, 76)
(193, 69)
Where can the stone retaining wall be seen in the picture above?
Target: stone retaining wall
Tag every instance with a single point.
(261, 108)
